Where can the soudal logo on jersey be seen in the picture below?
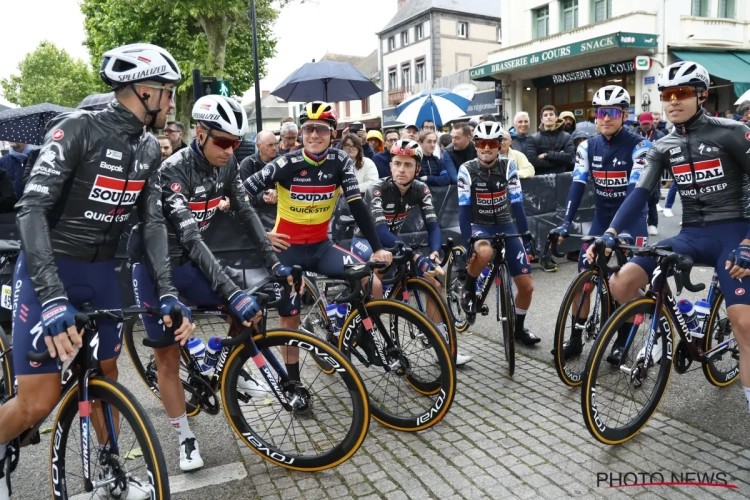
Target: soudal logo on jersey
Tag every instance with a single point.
(115, 191)
(312, 194)
(611, 179)
(204, 210)
(705, 171)
(490, 199)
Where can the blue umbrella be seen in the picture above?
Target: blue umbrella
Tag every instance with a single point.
(439, 105)
(328, 81)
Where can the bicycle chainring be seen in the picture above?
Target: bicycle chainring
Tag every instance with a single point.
(682, 359)
(208, 400)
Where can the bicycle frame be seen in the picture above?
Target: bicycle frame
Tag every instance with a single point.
(498, 245)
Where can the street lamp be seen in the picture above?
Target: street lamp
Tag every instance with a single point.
(258, 118)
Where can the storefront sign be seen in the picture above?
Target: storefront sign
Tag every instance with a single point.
(483, 102)
(586, 74)
(614, 40)
(389, 118)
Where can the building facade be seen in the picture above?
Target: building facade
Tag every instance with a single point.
(560, 52)
(428, 39)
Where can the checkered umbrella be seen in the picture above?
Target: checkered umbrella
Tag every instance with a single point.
(27, 124)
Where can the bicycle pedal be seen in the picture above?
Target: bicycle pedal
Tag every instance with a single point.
(485, 310)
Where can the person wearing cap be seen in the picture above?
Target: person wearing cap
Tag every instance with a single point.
(569, 122)
(647, 130)
(375, 140)
(410, 132)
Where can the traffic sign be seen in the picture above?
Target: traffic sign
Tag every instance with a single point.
(217, 87)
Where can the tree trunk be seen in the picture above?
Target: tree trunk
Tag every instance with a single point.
(217, 33)
(185, 111)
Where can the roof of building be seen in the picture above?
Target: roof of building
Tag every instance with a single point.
(271, 107)
(369, 65)
(353, 60)
(415, 8)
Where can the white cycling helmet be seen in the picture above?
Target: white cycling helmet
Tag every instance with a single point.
(611, 95)
(488, 131)
(138, 62)
(221, 113)
(684, 73)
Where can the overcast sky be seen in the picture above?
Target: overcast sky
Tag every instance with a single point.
(343, 27)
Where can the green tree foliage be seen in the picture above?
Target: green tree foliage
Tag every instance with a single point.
(214, 36)
(49, 74)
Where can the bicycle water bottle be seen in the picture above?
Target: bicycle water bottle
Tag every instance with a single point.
(331, 313)
(691, 318)
(481, 278)
(197, 348)
(213, 349)
(341, 310)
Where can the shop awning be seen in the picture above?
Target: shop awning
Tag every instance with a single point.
(732, 66)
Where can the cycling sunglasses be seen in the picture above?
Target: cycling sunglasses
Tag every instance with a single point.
(678, 93)
(320, 128)
(487, 143)
(613, 113)
(170, 90)
(224, 142)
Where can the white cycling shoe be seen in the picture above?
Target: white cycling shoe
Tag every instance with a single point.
(190, 455)
(462, 359)
(668, 212)
(135, 490)
(252, 387)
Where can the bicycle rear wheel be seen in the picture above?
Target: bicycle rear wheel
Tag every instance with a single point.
(618, 401)
(725, 369)
(327, 432)
(422, 293)
(7, 373)
(131, 460)
(571, 370)
(508, 314)
(453, 288)
(418, 387)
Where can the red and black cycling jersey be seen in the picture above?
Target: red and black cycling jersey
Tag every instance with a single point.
(387, 206)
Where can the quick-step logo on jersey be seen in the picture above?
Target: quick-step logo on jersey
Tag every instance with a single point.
(312, 194)
(114, 191)
(611, 179)
(203, 210)
(491, 199)
(705, 171)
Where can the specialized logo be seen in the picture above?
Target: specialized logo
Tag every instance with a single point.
(312, 194)
(115, 155)
(115, 191)
(705, 171)
(204, 210)
(611, 179)
(490, 199)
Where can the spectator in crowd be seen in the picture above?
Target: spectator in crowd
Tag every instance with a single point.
(433, 171)
(646, 130)
(375, 140)
(362, 134)
(551, 149)
(286, 119)
(569, 122)
(410, 132)
(659, 124)
(246, 148)
(488, 117)
(460, 151)
(8, 198)
(428, 126)
(383, 159)
(521, 123)
(265, 152)
(445, 141)
(744, 111)
(729, 114)
(578, 137)
(523, 166)
(13, 164)
(364, 168)
(288, 135)
(166, 146)
(472, 125)
(175, 131)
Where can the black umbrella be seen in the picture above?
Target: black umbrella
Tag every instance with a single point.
(95, 102)
(27, 124)
(329, 81)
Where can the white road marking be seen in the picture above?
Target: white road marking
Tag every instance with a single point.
(198, 479)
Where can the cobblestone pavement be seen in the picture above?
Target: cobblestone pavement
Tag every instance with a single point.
(519, 438)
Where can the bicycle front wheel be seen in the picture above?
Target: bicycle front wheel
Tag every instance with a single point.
(405, 362)
(128, 464)
(577, 298)
(6, 369)
(327, 431)
(508, 321)
(424, 297)
(454, 286)
(618, 401)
